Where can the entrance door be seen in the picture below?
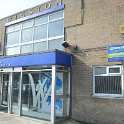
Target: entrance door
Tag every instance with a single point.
(5, 84)
(5, 95)
(9, 89)
(16, 77)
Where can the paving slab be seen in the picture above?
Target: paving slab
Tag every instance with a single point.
(6, 118)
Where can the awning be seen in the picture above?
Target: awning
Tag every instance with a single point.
(45, 58)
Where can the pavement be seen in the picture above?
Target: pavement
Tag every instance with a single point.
(6, 118)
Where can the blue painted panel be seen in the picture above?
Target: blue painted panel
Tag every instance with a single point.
(115, 49)
(116, 59)
(46, 58)
(63, 58)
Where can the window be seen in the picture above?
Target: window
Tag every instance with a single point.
(56, 43)
(40, 46)
(56, 15)
(27, 34)
(55, 28)
(107, 81)
(13, 50)
(41, 20)
(27, 24)
(13, 38)
(27, 48)
(41, 33)
(12, 28)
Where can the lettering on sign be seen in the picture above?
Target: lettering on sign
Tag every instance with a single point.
(49, 5)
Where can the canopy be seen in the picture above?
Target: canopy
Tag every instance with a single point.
(45, 58)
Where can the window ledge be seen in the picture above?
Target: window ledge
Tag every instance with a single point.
(108, 97)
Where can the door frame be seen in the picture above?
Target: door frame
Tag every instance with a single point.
(3, 80)
(10, 72)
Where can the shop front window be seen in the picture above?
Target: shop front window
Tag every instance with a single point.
(62, 94)
(36, 90)
(29, 91)
(36, 94)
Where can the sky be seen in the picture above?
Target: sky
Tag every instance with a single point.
(9, 7)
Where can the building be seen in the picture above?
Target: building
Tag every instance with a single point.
(84, 81)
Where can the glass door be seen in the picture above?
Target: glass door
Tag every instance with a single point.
(5, 79)
(16, 77)
(10, 79)
(5, 84)
(15, 90)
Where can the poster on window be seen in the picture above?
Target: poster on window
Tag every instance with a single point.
(58, 106)
(41, 92)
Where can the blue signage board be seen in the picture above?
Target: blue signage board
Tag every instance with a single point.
(116, 53)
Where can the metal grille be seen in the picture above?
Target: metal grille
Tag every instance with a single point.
(108, 84)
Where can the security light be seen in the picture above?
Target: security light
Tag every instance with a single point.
(65, 44)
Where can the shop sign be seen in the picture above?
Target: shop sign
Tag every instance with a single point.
(116, 53)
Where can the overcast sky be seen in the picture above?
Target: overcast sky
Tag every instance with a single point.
(9, 7)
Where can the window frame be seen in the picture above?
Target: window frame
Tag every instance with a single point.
(104, 95)
(33, 40)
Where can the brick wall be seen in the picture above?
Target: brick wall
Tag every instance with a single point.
(97, 27)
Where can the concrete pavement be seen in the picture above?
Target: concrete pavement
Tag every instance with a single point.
(6, 118)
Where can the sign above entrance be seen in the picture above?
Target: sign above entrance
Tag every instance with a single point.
(116, 53)
(46, 11)
(46, 58)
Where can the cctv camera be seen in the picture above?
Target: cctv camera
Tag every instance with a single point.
(65, 44)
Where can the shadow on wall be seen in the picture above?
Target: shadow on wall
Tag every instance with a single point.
(81, 85)
(85, 107)
(81, 76)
